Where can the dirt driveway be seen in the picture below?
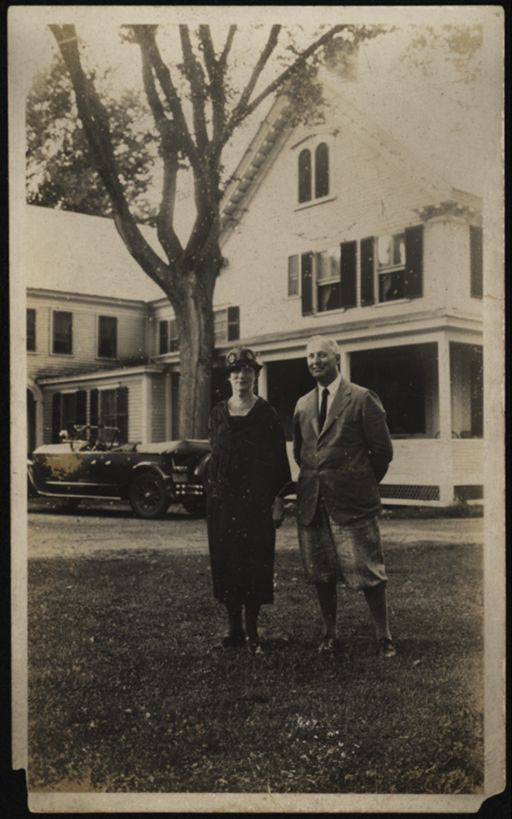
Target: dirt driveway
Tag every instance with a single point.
(113, 529)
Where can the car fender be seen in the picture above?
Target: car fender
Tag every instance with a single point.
(31, 482)
(150, 466)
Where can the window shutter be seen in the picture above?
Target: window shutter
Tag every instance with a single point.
(414, 262)
(367, 271)
(476, 261)
(93, 408)
(233, 323)
(56, 404)
(81, 407)
(122, 412)
(348, 262)
(164, 337)
(306, 267)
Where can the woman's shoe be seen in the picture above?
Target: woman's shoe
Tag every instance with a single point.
(328, 645)
(234, 640)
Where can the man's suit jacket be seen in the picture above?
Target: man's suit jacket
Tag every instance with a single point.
(344, 463)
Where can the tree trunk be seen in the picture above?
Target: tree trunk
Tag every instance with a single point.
(192, 297)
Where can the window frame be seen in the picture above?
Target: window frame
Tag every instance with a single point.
(54, 314)
(98, 337)
(311, 144)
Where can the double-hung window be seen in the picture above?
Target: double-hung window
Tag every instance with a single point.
(391, 266)
(328, 283)
(62, 333)
(168, 336)
(107, 337)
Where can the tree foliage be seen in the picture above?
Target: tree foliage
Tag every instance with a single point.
(60, 172)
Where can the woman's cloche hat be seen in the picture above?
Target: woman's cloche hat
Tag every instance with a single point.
(241, 357)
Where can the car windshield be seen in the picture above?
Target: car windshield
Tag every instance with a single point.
(96, 436)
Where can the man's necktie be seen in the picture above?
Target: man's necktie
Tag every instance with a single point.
(323, 408)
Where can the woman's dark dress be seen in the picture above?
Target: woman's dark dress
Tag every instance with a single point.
(248, 467)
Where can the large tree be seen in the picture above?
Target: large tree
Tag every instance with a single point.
(194, 124)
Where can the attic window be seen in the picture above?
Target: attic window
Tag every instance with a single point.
(313, 173)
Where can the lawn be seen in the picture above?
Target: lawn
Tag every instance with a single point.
(127, 691)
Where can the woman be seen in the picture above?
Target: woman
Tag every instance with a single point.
(247, 471)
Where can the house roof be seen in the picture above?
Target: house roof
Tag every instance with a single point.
(78, 253)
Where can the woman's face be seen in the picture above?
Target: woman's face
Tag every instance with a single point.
(243, 378)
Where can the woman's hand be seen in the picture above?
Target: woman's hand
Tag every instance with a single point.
(278, 512)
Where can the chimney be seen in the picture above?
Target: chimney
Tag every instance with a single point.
(341, 58)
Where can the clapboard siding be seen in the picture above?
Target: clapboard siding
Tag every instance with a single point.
(130, 334)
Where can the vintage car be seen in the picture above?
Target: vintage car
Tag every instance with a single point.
(91, 463)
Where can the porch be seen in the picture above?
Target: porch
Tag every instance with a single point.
(433, 396)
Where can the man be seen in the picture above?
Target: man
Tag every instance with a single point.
(343, 448)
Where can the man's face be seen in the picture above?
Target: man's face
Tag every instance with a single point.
(322, 362)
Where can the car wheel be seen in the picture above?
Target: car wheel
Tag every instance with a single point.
(148, 496)
(195, 507)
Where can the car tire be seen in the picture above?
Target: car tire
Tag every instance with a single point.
(195, 507)
(148, 496)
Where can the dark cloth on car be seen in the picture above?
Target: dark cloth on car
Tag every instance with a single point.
(248, 468)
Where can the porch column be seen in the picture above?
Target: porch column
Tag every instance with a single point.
(168, 407)
(263, 382)
(146, 409)
(445, 420)
(345, 364)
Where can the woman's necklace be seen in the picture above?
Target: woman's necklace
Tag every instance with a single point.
(241, 405)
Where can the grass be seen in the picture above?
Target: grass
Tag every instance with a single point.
(127, 694)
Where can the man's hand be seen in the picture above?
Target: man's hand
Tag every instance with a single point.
(277, 512)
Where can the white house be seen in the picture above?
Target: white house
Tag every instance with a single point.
(328, 228)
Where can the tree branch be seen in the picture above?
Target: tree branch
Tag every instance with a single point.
(239, 114)
(95, 123)
(206, 41)
(169, 153)
(196, 79)
(145, 35)
(216, 72)
(256, 73)
(227, 48)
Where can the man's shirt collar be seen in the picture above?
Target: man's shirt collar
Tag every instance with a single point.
(332, 387)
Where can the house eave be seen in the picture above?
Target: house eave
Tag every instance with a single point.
(99, 375)
(412, 325)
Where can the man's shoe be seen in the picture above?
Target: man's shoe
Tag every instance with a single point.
(386, 648)
(328, 645)
(234, 640)
(254, 648)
